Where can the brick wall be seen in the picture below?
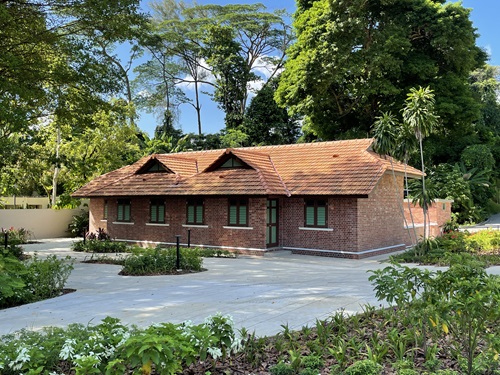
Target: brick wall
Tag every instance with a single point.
(355, 225)
(380, 216)
(340, 233)
(438, 214)
(214, 232)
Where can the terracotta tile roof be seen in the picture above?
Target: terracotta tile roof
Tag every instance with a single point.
(322, 168)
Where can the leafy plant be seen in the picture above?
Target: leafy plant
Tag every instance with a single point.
(161, 261)
(98, 246)
(79, 224)
(365, 367)
(282, 369)
(17, 236)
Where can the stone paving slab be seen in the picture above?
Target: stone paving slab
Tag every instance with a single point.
(261, 293)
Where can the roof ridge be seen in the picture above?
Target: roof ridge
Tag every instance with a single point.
(279, 176)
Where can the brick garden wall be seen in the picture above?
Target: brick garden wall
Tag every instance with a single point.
(438, 214)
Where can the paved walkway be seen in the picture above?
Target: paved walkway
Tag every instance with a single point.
(261, 293)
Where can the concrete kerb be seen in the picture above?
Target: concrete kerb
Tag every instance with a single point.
(260, 293)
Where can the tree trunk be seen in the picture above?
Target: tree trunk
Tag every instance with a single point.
(424, 194)
(56, 168)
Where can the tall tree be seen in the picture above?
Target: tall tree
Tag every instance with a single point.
(268, 124)
(355, 59)
(223, 47)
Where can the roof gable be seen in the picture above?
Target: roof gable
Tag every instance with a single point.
(153, 165)
(227, 160)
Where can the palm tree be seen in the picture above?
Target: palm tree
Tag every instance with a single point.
(385, 130)
(418, 114)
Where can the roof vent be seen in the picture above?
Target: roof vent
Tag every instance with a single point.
(335, 155)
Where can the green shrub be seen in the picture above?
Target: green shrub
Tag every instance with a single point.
(312, 362)
(33, 280)
(98, 246)
(79, 224)
(485, 240)
(11, 282)
(160, 261)
(46, 278)
(282, 369)
(365, 367)
(17, 236)
(15, 250)
(113, 348)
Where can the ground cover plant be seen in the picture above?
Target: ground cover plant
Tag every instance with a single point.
(433, 322)
(483, 245)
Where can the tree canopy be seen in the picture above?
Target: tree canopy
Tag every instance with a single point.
(354, 59)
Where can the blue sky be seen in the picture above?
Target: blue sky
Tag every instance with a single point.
(484, 17)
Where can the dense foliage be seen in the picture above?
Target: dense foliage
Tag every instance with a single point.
(354, 59)
(31, 280)
(113, 348)
(69, 100)
(483, 246)
(160, 261)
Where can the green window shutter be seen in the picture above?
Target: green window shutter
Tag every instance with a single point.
(321, 216)
(199, 214)
(190, 214)
(243, 214)
(310, 215)
(120, 212)
(126, 212)
(153, 212)
(232, 215)
(161, 213)
(105, 210)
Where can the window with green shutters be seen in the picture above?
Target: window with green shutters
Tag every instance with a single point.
(123, 210)
(195, 214)
(105, 213)
(315, 213)
(157, 211)
(238, 212)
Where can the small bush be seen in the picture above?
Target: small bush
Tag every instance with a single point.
(160, 261)
(97, 246)
(365, 367)
(38, 279)
(17, 236)
(485, 240)
(282, 369)
(79, 224)
(16, 251)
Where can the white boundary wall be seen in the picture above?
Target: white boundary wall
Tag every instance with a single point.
(43, 223)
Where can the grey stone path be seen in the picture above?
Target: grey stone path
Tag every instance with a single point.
(261, 293)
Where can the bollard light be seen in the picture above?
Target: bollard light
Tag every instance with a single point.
(178, 260)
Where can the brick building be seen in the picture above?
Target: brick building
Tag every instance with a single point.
(326, 198)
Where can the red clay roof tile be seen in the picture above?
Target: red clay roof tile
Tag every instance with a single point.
(323, 168)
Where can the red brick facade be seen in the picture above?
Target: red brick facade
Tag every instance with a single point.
(356, 226)
(439, 213)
